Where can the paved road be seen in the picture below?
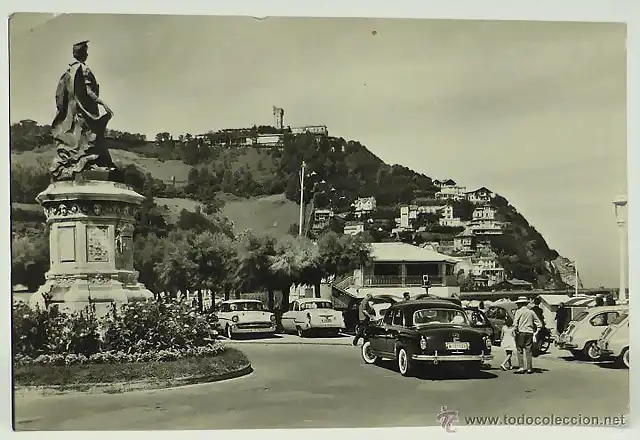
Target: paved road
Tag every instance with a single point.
(328, 386)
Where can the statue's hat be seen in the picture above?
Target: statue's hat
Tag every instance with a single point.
(81, 45)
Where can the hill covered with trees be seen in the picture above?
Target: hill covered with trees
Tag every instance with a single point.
(338, 172)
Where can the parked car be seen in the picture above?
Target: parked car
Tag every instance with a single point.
(426, 331)
(581, 336)
(497, 313)
(380, 304)
(614, 341)
(309, 314)
(244, 316)
(479, 321)
(446, 298)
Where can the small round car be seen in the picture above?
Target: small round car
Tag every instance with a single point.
(614, 341)
(581, 336)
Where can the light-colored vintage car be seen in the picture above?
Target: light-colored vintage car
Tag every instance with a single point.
(244, 316)
(582, 334)
(309, 314)
(614, 341)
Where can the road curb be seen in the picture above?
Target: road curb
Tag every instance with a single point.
(121, 387)
(326, 344)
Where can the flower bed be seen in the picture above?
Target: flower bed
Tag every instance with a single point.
(119, 357)
(142, 341)
(228, 362)
(147, 329)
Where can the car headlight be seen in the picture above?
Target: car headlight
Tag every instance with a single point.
(272, 318)
(423, 343)
(235, 318)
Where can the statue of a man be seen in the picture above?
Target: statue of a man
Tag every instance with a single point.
(79, 126)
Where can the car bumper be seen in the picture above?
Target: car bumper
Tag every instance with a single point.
(248, 330)
(325, 326)
(566, 345)
(435, 358)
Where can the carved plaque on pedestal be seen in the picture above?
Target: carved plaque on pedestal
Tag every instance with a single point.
(97, 244)
(67, 244)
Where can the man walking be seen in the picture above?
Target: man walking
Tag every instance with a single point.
(526, 324)
(365, 315)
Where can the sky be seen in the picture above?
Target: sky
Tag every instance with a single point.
(535, 111)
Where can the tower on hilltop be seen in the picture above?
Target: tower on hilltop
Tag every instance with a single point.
(278, 117)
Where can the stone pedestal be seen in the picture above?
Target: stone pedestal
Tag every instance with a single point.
(91, 245)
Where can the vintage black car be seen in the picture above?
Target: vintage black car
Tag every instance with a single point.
(479, 321)
(426, 331)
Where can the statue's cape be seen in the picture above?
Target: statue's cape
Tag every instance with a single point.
(72, 97)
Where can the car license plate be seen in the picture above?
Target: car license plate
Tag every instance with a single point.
(326, 318)
(457, 345)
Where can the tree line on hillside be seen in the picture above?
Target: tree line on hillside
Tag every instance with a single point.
(338, 172)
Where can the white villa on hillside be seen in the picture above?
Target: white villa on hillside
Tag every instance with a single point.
(484, 213)
(481, 195)
(463, 242)
(448, 219)
(401, 267)
(353, 228)
(321, 218)
(483, 268)
(450, 190)
(364, 205)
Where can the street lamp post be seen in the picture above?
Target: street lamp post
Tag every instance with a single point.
(301, 220)
(619, 204)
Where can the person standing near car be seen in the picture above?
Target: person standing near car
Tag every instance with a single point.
(538, 310)
(527, 324)
(365, 315)
(561, 318)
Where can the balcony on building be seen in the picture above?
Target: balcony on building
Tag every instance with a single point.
(399, 267)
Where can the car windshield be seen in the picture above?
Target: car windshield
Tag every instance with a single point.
(581, 316)
(619, 319)
(439, 316)
(315, 305)
(249, 306)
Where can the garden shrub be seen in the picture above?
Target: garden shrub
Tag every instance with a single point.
(133, 332)
(142, 326)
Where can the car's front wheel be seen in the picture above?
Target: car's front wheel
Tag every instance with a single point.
(591, 351)
(405, 364)
(624, 357)
(367, 354)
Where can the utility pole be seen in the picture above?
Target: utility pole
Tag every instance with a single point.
(302, 173)
(575, 264)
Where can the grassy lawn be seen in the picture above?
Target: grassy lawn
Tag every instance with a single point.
(265, 215)
(230, 360)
